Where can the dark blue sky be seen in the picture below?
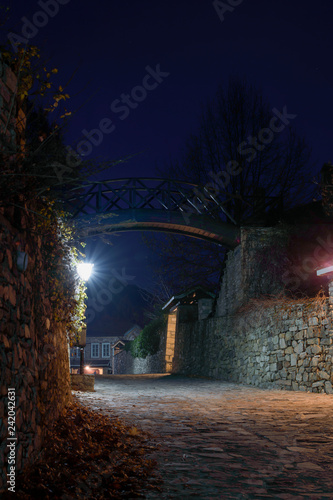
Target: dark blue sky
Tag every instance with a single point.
(285, 47)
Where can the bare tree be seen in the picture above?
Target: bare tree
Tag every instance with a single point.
(247, 156)
(246, 153)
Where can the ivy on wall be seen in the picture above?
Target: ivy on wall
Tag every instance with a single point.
(26, 175)
(61, 254)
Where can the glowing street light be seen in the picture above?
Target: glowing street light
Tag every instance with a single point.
(324, 270)
(84, 270)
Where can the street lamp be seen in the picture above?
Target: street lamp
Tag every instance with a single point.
(84, 271)
(325, 270)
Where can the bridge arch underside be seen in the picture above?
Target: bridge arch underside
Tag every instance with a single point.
(193, 225)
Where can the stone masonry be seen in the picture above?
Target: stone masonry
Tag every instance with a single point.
(282, 345)
(258, 336)
(7, 107)
(33, 347)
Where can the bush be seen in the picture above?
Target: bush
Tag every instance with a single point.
(148, 341)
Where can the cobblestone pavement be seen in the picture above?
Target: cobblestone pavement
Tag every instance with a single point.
(225, 441)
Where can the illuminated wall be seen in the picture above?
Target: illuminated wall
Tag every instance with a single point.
(170, 341)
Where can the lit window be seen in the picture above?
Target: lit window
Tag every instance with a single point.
(95, 350)
(105, 350)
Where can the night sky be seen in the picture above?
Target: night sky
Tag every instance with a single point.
(284, 47)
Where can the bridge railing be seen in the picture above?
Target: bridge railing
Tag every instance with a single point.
(102, 197)
(136, 193)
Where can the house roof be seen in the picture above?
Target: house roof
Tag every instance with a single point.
(188, 297)
(120, 342)
(100, 339)
(131, 330)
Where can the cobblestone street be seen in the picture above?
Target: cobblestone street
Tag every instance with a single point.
(225, 441)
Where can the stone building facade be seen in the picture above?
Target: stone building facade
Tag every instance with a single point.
(100, 352)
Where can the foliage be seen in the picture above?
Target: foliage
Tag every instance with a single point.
(61, 253)
(40, 162)
(34, 79)
(35, 177)
(148, 341)
(89, 455)
(26, 174)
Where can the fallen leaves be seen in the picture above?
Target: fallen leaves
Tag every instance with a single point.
(89, 455)
(133, 431)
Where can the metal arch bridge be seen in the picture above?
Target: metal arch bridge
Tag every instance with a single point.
(145, 204)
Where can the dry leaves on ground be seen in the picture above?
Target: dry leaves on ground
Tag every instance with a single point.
(89, 455)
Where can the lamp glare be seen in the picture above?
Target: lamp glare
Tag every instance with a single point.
(84, 270)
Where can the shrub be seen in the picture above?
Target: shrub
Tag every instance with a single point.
(148, 341)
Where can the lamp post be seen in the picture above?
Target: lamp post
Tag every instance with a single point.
(84, 271)
(82, 344)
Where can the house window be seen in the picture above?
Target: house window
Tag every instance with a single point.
(94, 350)
(105, 350)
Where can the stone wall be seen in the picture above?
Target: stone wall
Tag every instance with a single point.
(254, 268)
(258, 336)
(33, 347)
(281, 344)
(8, 83)
(124, 363)
(82, 382)
(231, 294)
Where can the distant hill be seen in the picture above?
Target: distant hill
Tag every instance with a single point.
(127, 308)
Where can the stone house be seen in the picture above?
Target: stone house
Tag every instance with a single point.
(99, 352)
